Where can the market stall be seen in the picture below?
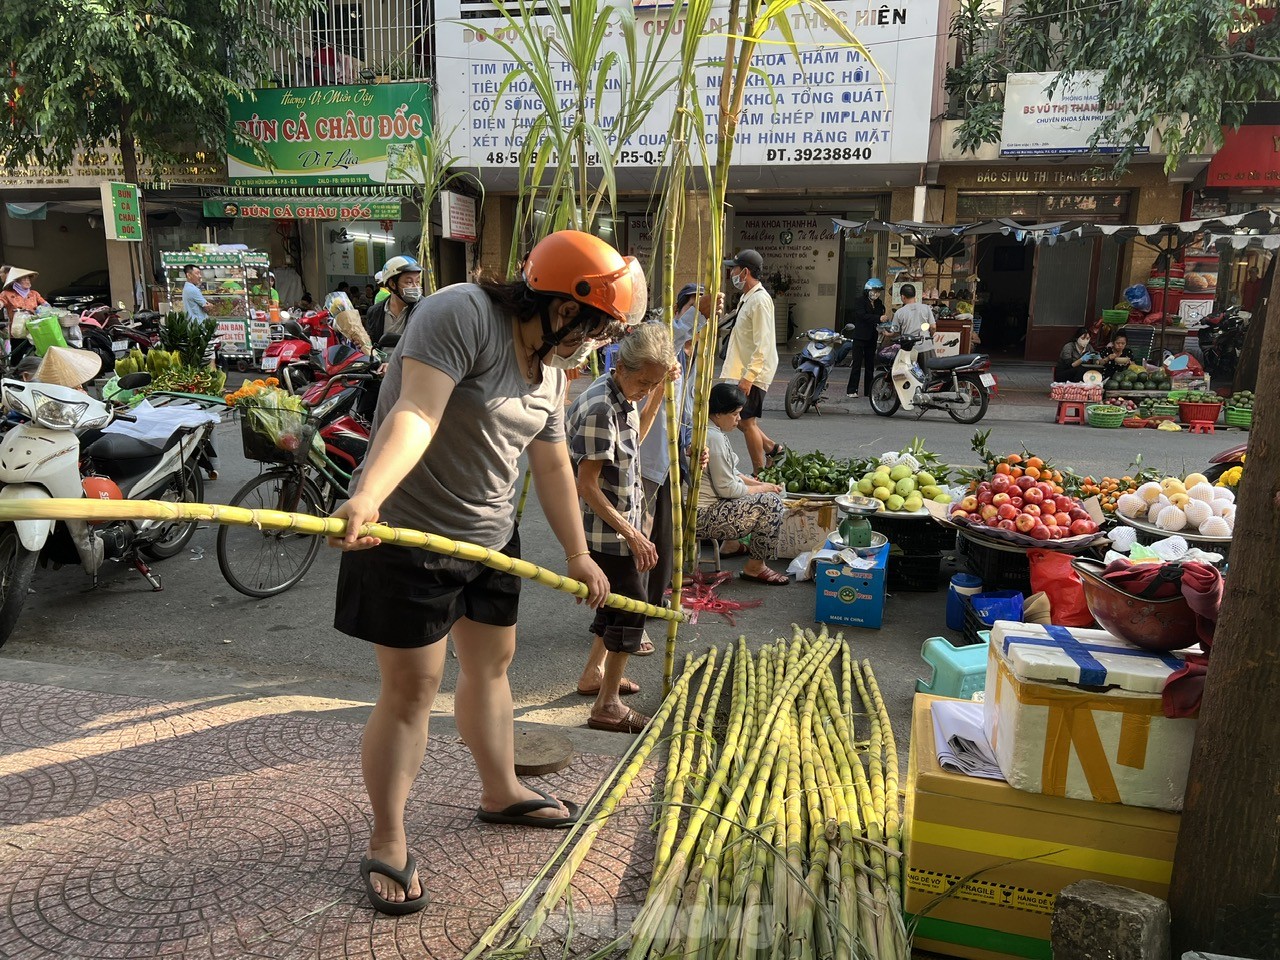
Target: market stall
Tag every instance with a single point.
(230, 278)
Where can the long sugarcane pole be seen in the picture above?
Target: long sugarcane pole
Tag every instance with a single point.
(163, 511)
(673, 453)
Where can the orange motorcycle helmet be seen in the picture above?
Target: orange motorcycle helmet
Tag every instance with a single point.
(101, 488)
(573, 265)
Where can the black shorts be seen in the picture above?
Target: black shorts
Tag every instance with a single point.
(753, 409)
(406, 597)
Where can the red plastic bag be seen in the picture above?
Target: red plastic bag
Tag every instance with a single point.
(1051, 572)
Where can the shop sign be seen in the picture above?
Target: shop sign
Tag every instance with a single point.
(325, 136)
(233, 333)
(801, 264)
(1250, 157)
(121, 211)
(269, 208)
(1037, 123)
(458, 216)
(88, 168)
(824, 105)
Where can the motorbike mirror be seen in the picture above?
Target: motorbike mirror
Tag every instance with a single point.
(388, 341)
(294, 330)
(133, 381)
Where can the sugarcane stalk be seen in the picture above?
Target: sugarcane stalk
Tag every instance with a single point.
(560, 883)
(524, 493)
(892, 819)
(164, 511)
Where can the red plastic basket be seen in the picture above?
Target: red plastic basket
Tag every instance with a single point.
(1198, 412)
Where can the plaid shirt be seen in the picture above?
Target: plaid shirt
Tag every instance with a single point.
(603, 425)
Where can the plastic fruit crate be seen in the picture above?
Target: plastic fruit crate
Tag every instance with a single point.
(913, 536)
(997, 569)
(1236, 417)
(1164, 410)
(918, 574)
(1097, 415)
(1198, 412)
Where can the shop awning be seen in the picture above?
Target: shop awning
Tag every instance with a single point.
(942, 241)
(294, 207)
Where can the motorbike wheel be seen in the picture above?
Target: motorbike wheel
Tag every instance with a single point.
(17, 566)
(978, 400)
(799, 394)
(263, 563)
(173, 537)
(884, 398)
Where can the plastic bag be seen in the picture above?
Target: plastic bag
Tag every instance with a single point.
(994, 605)
(1184, 365)
(1051, 571)
(1139, 297)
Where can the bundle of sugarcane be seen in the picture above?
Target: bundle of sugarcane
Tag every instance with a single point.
(778, 834)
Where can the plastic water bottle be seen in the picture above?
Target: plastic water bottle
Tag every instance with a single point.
(962, 585)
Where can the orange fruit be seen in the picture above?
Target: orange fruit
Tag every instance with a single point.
(1032, 472)
(1003, 468)
(1013, 458)
(1035, 462)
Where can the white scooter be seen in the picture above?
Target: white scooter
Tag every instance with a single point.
(960, 384)
(41, 458)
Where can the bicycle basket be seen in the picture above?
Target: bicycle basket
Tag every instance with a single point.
(277, 434)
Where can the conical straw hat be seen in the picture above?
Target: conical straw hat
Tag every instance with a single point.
(69, 367)
(17, 273)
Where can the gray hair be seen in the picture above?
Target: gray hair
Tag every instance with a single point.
(645, 344)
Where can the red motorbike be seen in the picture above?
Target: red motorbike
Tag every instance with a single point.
(312, 334)
(141, 332)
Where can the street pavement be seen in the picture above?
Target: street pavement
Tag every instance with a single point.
(205, 742)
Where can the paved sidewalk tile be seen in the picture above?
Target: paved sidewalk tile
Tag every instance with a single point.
(229, 828)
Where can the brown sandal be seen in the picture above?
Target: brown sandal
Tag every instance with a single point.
(630, 722)
(771, 577)
(625, 688)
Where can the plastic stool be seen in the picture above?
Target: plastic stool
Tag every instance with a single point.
(1071, 411)
(958, 672)
(1201, 426)
(715, 554)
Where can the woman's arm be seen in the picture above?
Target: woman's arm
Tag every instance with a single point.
(642, 549)
(401, 440)
(720, 472)
(553, 478)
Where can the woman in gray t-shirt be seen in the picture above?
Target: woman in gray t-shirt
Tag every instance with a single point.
(476, 381)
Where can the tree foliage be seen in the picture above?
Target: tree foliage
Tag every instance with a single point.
(1183, 70)
(133, 72)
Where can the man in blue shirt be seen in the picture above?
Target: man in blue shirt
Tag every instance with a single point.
(193, 301)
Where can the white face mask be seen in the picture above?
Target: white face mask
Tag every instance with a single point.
(574, 360)
(1082, 342)
(738, 281)
(411, 294)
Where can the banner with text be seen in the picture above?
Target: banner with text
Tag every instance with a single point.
(832, 107)
(270, 208)
(1039, 124)
(326, 136)
(801, 264)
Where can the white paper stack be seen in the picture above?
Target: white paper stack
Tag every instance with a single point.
(960, 740)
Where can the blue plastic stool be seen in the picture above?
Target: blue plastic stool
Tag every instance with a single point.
(607, 357)
(958, 672)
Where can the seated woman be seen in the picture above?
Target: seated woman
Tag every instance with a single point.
(731, 504)
(1117, 356)
(1068, 369)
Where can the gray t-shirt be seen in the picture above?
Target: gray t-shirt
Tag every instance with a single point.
(909, 319)
(462, 487)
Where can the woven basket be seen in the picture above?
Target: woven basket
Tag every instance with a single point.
(1098, 415)
(1164, 410)
(1199, 412)
(1236, 417)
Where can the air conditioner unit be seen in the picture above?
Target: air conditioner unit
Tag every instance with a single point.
(901, 250)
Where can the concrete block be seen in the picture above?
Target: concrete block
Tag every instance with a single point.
(1100, 921)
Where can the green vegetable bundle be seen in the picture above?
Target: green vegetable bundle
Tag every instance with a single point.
(811, 473)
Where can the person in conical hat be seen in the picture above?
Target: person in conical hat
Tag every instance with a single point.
(18, 293)
(69, 367)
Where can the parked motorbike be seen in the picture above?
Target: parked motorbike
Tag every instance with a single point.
(1225, 460)
(823, 351)
(907, 379)
(123, 335)
(59, 451)
(78, 333)
(1221, 340)
(312, 333)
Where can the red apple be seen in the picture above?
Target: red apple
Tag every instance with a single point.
(1031, 509)
(1045, 488)
(1049, 519)
(984, 485)
(1000, 483)
(959, 516)
(1024, 522)
(1063, 519)
(1079, 513)
(1057, 533)
(993, 522)
(969, 504)
(1025, 483)
(1083, 527)
(1065, 504)
(988, 511)
(1001, 499)
(1040, 532)
(1033, 495)
(1007, 525)
(1007, 511)
(985, 496)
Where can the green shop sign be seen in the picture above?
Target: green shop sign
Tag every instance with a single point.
(328, 136)
(270, 208)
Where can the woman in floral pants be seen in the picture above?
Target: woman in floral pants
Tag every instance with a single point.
(732, 505)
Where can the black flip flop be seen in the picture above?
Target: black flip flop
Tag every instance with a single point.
(403, 877)
(520, 814)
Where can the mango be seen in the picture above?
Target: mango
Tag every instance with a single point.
(905, 487)
(865, 486)
(899, 472)
(894, 502)
(924, 479)
(882, 493)
(942, 498)
(929, 491)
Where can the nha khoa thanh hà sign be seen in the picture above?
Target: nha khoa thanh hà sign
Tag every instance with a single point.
(1038, 122)
(328, 136)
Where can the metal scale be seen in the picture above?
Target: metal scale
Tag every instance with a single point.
(855, 527)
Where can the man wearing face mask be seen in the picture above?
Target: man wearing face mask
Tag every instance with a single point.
(474, 386)
(1074, 355)
(752, 357)
(402, 279)
(862, 332)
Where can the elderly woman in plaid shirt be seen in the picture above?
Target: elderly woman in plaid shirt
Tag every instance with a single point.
(604, 432)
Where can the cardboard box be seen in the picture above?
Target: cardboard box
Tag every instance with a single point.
(805, 527)
(849, 596)
(1023, 847)
(1078, 713)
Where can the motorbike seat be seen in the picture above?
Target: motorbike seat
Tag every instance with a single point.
(116, 446)
(930, 362)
